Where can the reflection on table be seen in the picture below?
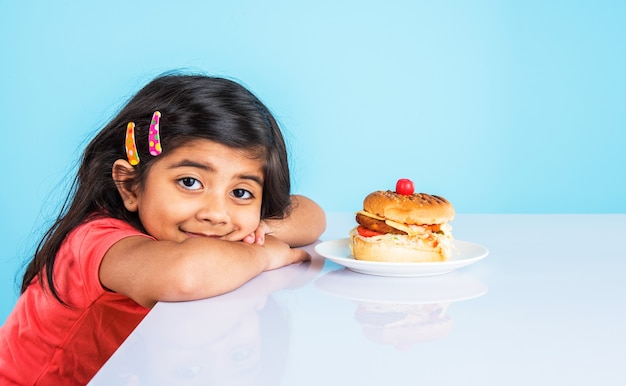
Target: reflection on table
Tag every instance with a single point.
(401, 311)
(240, 338)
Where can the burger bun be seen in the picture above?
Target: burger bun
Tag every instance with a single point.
(417, 208)
(392, 248)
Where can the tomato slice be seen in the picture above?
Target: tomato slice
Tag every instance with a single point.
(434, 227)
(367, 232)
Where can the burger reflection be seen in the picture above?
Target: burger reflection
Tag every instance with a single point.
(402, 325)
(401, 312)
(240, 338)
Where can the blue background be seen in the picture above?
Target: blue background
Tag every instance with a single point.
(502, 107)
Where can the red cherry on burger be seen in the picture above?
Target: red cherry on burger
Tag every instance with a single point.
(405, 187)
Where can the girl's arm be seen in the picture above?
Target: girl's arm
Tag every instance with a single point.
(303, 226)
(149, 271)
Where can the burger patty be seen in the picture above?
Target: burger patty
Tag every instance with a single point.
(377, 225)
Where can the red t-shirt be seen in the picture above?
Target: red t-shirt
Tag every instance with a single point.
(46, 343)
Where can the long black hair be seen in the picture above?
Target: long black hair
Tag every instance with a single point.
(192, 107)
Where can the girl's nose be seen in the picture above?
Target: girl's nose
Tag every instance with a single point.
(214, 210)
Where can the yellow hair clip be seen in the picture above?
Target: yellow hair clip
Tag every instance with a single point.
(131, 145)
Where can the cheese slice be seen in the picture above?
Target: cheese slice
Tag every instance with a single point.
(371, 215)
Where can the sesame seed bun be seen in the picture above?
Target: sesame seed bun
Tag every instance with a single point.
(417, 208)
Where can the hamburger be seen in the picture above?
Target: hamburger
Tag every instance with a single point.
(403, 226)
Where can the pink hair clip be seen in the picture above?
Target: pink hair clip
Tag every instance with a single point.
(154, 138)
(131, 145)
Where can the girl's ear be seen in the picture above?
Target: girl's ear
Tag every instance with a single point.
(123, 174)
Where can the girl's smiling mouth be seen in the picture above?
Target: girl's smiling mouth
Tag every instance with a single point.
(194, 234)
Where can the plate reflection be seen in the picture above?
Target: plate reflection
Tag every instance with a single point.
(401, 312)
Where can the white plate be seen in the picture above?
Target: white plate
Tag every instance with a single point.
(463, 254)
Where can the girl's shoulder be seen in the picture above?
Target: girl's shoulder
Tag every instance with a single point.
(101, 219)
(102, 229)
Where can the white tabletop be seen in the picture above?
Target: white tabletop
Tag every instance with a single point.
(546, 307)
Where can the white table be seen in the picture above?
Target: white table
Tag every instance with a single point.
(546, 307)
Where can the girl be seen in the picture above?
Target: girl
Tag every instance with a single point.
(185, 194)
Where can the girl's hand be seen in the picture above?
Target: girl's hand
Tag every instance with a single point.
(258, 236)
(279, 254)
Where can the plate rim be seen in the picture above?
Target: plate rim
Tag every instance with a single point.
(369, 267)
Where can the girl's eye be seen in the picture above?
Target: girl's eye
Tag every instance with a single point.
(190, 183)
(242, 194)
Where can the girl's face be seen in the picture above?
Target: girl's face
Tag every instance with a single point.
(202, 189)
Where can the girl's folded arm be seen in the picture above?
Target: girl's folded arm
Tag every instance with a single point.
(149, 271)
(304, 225)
